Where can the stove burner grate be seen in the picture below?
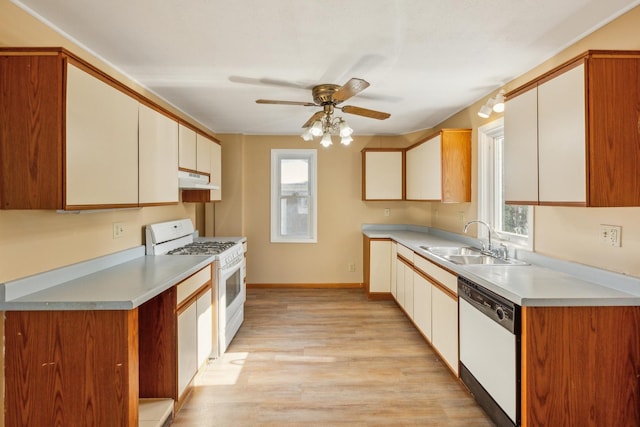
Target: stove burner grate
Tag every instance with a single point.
(202, 248)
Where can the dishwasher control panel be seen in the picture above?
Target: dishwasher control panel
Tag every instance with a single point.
(497, 308)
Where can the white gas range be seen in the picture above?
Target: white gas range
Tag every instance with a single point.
(177, 238)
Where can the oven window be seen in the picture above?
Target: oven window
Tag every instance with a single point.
(233, 287)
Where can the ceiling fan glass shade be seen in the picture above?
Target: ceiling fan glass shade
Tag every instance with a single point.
(306, 135)
(345, 129)
(346, 140)
(316, 128)
(326, 140)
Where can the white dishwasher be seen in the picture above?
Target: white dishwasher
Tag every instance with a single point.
(490, 351)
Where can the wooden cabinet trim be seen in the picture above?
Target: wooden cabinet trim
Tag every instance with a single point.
(436, 283)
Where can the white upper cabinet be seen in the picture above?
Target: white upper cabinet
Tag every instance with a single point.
(187, 144)
(382, 174)
(545, 148)
(561, 138)
(101, 143)
(203, 154)
(571, 135)
(521, 148)
(439, 167)
(158, 153)
(424, 170)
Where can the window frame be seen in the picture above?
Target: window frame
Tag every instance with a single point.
(488, 182)
(277, 155)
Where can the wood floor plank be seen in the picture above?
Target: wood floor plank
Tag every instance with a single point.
(327, 357)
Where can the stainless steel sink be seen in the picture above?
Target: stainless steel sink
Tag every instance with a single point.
(442, 251)
(465, 255)
(482, 260)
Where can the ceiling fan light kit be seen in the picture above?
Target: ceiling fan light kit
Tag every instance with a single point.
(322, 123)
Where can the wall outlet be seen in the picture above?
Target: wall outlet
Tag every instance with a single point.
(610, 235)
(387, 212)
(351, 268)
(118, 230)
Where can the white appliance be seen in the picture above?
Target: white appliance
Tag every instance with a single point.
(490, 351)
(177, 238)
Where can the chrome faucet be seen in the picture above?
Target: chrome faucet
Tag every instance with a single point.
(466, 227)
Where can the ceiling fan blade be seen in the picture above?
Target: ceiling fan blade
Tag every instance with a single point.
(316, 116)
(350, 109)
(271, 101)
(351, 88)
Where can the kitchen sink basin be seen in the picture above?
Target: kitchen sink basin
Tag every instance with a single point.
(482, 259)
(451, 250)
(465, 255)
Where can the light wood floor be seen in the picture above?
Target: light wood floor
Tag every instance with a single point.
(327, 357)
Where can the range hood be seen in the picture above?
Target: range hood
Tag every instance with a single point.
(194, 181)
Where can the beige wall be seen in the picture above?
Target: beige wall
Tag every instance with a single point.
(341, 212)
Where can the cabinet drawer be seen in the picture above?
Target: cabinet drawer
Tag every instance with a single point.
(405, 252)
(192, 284)
(442, 276)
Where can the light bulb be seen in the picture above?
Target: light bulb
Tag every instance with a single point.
(326, 140)
(346, 140)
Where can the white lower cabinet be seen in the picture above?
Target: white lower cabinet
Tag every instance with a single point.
(394, 268)
(380, 266)
(422, 304)
(408, 290)
(400, 269)
(444, 327)
(204, 312)
(187, 346)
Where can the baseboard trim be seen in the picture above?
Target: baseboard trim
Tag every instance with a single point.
(379, 296)
(305, 285)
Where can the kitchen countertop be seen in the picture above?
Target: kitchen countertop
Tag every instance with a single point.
(120, 281)
(545, 282)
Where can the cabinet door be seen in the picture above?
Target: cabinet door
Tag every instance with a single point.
(187, 148)
(521, 148)
(444, 326)
(394, 268)
(424, 171)
(380, 266)
(216, 171)
(205, 327)
(203, 154)
(400, 282)
(187, 346)
(408, 290)
(158, 157)
(382, 175)
(101, 143)
(422, 304)
(561, 138)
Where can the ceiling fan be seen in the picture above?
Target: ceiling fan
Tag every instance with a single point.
(328, 96)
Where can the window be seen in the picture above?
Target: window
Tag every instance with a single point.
(512, 223)
(294, 196)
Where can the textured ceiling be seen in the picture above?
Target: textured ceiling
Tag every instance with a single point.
(425, 59)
